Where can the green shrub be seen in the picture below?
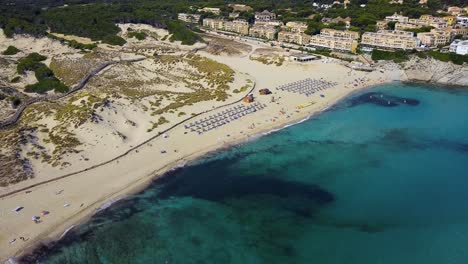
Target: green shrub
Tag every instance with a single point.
(113, 40)
(137, 35)
(396, 56)
(11, 50)
(16, 79)
(452, 57)
(46, 85)
(180, 32)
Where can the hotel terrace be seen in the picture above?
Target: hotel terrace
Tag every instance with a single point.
(388, 39)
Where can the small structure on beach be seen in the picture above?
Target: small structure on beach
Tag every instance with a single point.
(302, 57)
(248, 99)
(264, 91)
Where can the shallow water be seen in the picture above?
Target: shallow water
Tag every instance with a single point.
(368, 181)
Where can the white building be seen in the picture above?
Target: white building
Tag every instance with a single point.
(214, 10)
(462, 21)
(265, 15)
(189, 18)
(459, 47)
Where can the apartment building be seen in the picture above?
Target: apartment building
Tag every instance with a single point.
(240, 8)
(216, 24)
(462, 21)
(390, 39)
(293, 37)
(295, 26)
(239, 26)
(334, 43)
(455, 10)
(189, 18)
(214, 10)
(274, 23)
(381, 25)
(451, 20)
(263, 31)
(337, 20)
(339, 33)
(434, 38)
(459, 46)
(405, 26)
(265, 15)
(397, 18)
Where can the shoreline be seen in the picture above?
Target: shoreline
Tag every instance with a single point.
(51, 236)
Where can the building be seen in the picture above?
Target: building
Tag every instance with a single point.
(302, 57)
(189, 18)
(436, 37)
(462, 21)
(263, 31)
(293, 37)
(214, 10)
(388, 39)
(381, 25)
(339, 33)
(265, 15)
(234, 15)
(346, 21)
(241, 8)
(239, 26)
(459, 47)
(296, 27)
(451, 20)
(404, 26)
(216, 24)
(459, 31)
(333, 43)
(455, 10)
(275, 23)
(397, 18)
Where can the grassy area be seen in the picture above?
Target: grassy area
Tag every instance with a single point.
(73, 43)
(448, 57)
(137, 35)
(396, 56)
(45, 77)
(11, 50)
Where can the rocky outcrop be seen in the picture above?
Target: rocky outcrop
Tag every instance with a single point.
(434, 71)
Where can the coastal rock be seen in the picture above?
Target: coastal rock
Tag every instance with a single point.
(434, 71)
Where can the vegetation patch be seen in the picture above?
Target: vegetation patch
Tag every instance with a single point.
(45, 77)
(137, 35)
(396, 56)
(73, 43)
(11, 50)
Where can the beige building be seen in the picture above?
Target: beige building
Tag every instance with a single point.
(436, 37)
(213, 10)
(337, 20)
(189, 18)
(397, 18)
(296, 27)
(241, 8)
(216, 24)
(339, 33)
(292, 37)
(388, 39)
(265, 15)
(405, 26)
(263, 31)
(455, 10)
(239, 26)
(382, 25)
(334, 43)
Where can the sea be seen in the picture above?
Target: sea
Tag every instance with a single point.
(379, 178)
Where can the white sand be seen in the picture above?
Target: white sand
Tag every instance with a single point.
(87, 191)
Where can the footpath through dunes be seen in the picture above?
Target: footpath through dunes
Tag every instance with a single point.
(101, 67)
(16, 116)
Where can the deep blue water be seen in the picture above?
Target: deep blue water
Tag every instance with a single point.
(372, 180)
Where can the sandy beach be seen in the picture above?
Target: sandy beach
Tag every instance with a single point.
(74, 199)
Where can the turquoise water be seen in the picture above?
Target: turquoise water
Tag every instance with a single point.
(360, 183)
